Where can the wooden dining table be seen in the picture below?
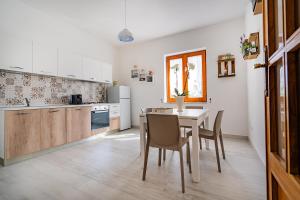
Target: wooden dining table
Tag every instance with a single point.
(188, 117)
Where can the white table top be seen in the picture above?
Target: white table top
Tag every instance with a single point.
(186, 113)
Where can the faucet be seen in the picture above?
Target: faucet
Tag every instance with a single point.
(27, 102)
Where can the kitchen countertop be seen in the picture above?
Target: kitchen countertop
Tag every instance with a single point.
(24, 107)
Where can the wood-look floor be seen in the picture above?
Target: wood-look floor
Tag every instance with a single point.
(109, 167)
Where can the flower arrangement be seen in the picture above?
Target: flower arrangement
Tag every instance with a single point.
(175, 67)
(247, 47)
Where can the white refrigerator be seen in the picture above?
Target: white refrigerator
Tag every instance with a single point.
(121, 94)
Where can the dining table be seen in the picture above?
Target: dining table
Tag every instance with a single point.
(192, 118)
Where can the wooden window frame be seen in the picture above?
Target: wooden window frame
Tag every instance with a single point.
(184, 57)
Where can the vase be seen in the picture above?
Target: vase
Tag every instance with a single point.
(179, 102)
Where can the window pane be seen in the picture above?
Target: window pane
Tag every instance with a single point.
(279, 23)
(195, 77)
(175, 76)
(281, 110)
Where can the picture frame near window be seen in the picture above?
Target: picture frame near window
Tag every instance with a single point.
(186, 73)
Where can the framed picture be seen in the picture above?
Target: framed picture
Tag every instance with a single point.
(134, 73)
(142, 75)
(149, 77)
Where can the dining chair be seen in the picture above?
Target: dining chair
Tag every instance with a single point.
(145, 111)
(164, 133)
(213, 135)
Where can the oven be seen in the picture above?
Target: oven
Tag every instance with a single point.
(100, 117)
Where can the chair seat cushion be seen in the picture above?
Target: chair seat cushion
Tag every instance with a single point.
(203, 133)
(183, 141)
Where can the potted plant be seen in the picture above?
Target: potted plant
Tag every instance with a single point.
(179, 96)
(248, 47)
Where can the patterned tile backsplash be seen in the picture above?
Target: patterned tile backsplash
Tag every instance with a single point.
(39, 89)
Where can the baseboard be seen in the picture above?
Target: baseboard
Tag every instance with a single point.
(226, 135)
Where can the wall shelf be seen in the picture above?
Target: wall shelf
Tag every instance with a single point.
(257, 7)
(226, 66)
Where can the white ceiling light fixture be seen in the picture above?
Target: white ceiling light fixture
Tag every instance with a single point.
(125, 35)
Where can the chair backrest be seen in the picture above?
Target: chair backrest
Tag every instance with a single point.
(146, 110)
(163, 130)
(193, 107)
(218, 121)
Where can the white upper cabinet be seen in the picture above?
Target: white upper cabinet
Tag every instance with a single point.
(45, 60)
(106, 73)
(91, 69)
(69, 65)
(15, 54)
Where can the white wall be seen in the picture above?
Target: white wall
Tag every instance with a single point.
(256, 87)
(229, 94)
(28, 23)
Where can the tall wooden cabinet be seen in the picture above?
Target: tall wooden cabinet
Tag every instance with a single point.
(282, 41)
(53, 125)
(78, 123)
(22, 132)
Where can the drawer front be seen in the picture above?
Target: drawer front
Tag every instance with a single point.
(114, 113)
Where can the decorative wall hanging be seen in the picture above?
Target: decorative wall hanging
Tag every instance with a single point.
(257, 6)
(250, 46)
(226, 66)
(149, 77)
(142, 75)
(135, 72)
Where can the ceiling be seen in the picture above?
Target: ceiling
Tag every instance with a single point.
(146, 19)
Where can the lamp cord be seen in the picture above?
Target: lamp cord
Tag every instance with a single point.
(125, 14)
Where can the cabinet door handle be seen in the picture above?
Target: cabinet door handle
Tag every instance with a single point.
(45, 72)
(78, 109)
(14, 67)
(107, 81)
(53, 111)
(92, 78)
(70, 75)
(23, 113)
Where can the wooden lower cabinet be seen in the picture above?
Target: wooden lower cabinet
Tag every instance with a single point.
(78, 123)
(114, 123)
(53, 127)
(22, 132)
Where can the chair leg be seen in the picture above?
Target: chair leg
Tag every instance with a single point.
(189, 156)
(222, 145)
(200, 142)
(164, 154)
(145, 161)
(159, 157)
(181, 169)
(217, 154)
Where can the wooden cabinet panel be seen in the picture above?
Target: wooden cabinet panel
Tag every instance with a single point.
(78, 123)
(114, 123)
(53, 127)
(22, 129)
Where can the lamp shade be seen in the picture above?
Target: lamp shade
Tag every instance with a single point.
(125, 36)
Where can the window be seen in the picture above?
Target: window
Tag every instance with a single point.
(187, 73)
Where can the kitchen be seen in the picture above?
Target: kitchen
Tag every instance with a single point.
(131, 99)
(29, 129)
